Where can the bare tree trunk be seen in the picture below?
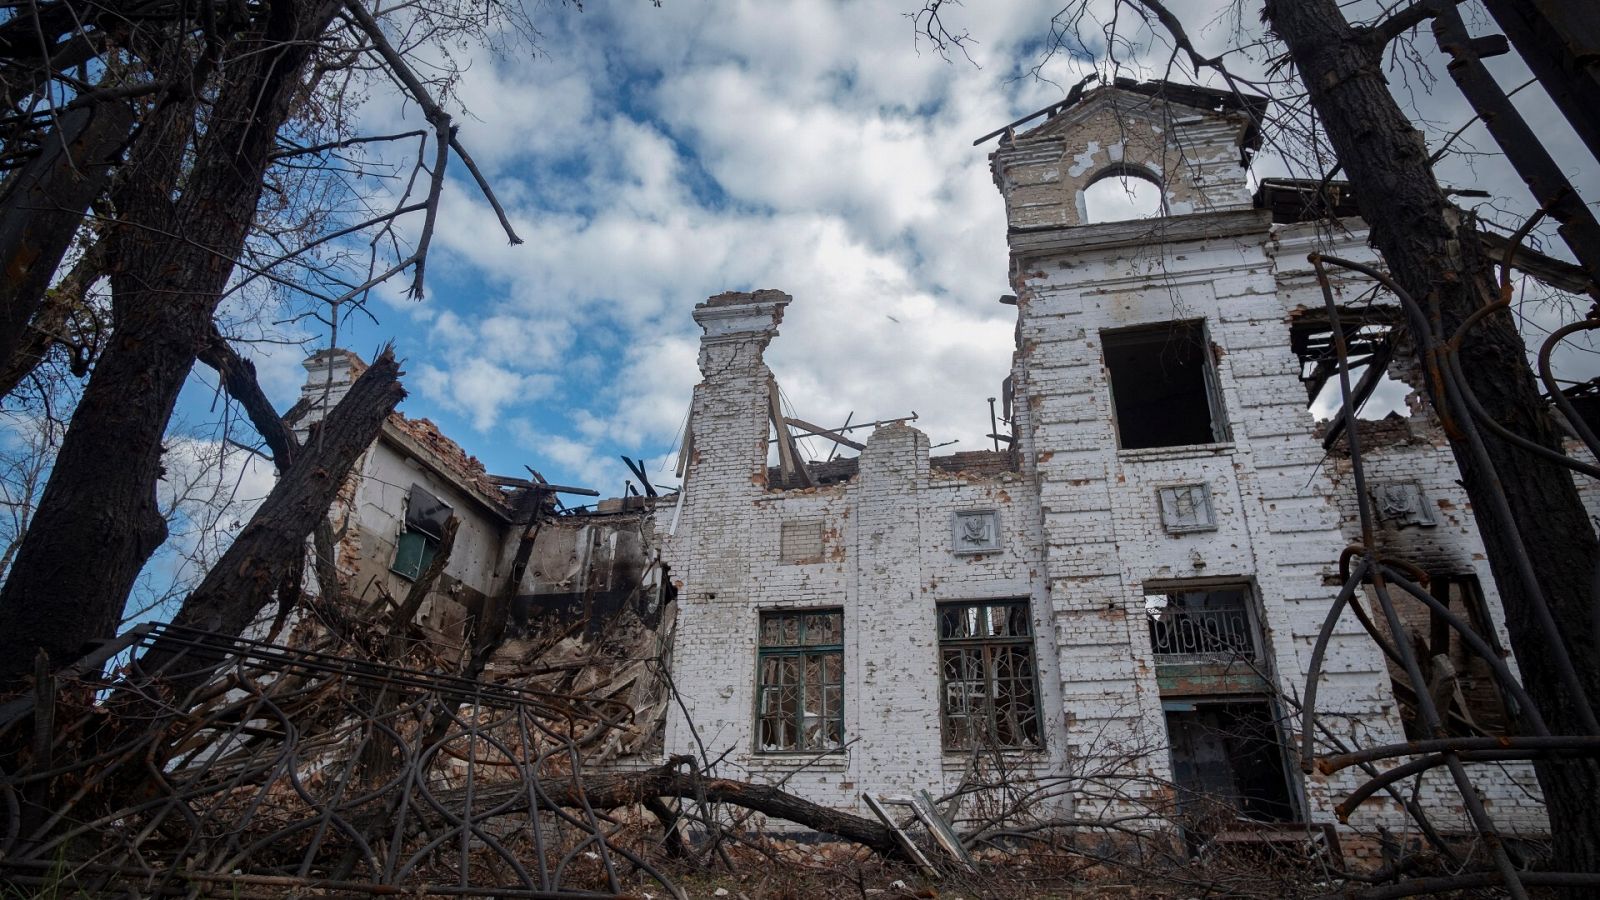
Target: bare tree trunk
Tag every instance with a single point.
(239, 585)
(42, 206)
(623, 789)
(97, 521)
(1432, 251)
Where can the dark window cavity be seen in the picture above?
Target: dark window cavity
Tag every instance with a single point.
(1228, 763)
(1164, 387)
(989, 695)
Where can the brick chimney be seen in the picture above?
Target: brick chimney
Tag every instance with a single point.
(329, 375)
(729, 418)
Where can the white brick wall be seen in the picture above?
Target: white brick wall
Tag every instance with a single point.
(1081, 522)
(887, 560)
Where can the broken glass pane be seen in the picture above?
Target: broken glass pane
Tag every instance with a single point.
(987, 675)
(801, 704)
(789, 634)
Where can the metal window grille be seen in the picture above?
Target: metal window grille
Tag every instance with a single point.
(800, 693)
(989, 688)
(1207, 626)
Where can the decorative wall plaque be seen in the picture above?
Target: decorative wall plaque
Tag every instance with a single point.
(1186, 508)
(1403, 503)
(976, 531)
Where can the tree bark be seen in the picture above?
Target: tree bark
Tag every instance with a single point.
(236, 589)
(170, 259)
(53, 323)
(1431, 249)
(42, 206)
(238, 377)
(622, 789)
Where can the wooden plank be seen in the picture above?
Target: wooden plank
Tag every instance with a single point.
(789, 461)
(509, 481)
(775, 415)
(912, 851)
(686, 453)
(819, 431)
(1559, 274)
(922, 804)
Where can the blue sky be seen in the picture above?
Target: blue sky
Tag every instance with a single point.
(654, 156)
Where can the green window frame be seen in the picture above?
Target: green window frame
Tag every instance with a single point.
(989, 686)
(413, 552)
(800, 681)
(426, 518)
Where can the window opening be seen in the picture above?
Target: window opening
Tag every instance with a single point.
(1228, 762)
(1369, 347)
(1122, 196)
(1460, 682)
(800, 689)
(989, 688)
(419, 539)
(1164, 387)
(1202, 626)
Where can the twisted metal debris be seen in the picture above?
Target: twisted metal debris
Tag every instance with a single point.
(1361, 564)
(284, 771)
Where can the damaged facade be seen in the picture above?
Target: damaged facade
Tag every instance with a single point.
(1149, 564)
(577, 594)
(1135, 583)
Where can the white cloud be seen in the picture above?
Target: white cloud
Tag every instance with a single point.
(208, 493)
(478, 388)
(652, 157)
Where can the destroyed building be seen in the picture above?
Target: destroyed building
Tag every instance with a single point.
(1149, 563)
(578, 597)
(1133, 584)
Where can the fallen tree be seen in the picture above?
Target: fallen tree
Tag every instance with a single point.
(272, 543)
(677, 778)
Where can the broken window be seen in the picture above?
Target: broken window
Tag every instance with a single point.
(986, 672)
(1228, 761)
(1209, 625)
(1460, 682)
(426, 516)
(800, 692)
(1369, 346)
(1164, 386)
